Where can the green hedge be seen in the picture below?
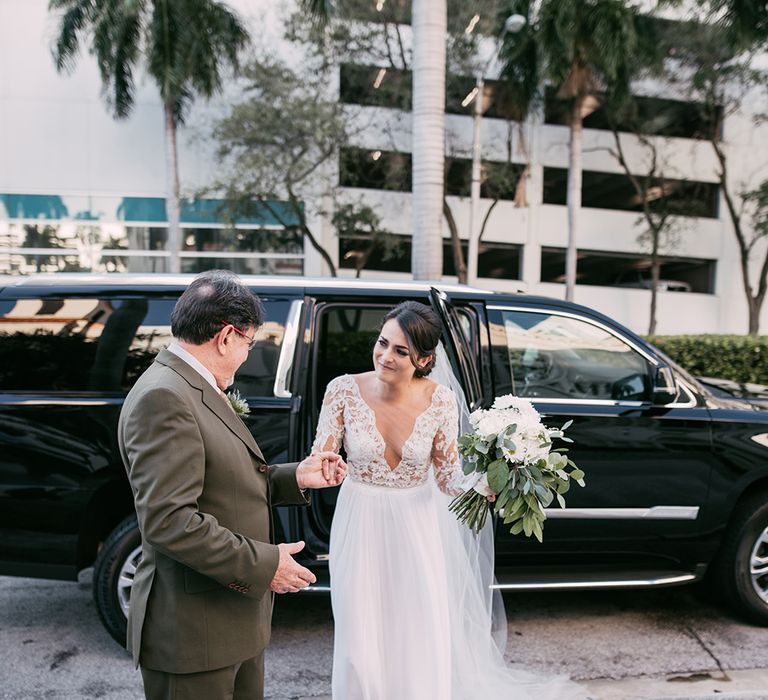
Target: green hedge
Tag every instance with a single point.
(740, 358)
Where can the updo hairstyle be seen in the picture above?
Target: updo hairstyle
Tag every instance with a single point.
(422, 328)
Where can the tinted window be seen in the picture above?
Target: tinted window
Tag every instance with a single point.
(541, 355)
(345, 341)
(73, 345)
(80, 344)
(256, 376)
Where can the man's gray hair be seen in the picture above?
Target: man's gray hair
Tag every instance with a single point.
(213, 299)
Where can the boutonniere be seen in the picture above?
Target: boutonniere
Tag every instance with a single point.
(239, 404)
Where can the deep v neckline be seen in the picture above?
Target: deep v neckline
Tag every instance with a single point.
(372, 415)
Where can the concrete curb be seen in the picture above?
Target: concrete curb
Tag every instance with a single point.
(750, 684)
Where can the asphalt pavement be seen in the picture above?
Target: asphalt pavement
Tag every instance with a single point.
(671, 643)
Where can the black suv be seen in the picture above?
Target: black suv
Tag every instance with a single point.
(677, 479)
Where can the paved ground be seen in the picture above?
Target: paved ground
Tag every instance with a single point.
(624, 644)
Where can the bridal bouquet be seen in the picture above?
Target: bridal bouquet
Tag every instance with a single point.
(511, 451)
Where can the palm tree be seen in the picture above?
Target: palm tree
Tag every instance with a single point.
(585, 49)
(745, 20)
(184, 45)
(429, 22)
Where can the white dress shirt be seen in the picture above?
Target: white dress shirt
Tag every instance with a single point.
(195, 364)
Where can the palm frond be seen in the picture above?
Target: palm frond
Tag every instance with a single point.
(320, 11)
(77, 16)
(125, 54)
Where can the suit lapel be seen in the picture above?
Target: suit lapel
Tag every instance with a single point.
(213, 400)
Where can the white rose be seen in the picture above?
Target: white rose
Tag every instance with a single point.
(505, 401)
(491, 423)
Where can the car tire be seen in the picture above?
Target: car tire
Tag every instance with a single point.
(113, 574)
(746, 540)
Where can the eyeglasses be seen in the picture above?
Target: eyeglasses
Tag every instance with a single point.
(251, 341)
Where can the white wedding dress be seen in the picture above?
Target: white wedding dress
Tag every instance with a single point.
(411, 601)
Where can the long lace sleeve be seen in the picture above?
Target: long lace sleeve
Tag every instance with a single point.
(446, 459)
(330, 426)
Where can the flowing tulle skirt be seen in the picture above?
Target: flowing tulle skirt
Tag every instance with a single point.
(411, 613)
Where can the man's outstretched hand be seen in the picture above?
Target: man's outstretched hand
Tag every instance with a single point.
(321, 470)
(290, 577)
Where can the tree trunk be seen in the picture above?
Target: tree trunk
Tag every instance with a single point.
(573, 199)
(754, 301)
(655, 268)
(298, 210)
(754, 317)
(172, 207)
(429, 24)
(458, 255)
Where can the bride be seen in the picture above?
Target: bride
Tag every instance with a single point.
(414, 613)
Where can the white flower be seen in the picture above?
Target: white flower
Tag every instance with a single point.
(521, 406)
(492, 423)
(505, 401)
(239, 404)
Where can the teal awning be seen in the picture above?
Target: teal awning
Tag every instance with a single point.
(140, 210)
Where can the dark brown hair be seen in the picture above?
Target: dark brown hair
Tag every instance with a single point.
(422, 328)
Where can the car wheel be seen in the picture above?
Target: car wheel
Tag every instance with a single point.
(113, 575)
(744, 560)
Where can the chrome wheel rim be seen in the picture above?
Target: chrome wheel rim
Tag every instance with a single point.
(758, 566)
(125, 579)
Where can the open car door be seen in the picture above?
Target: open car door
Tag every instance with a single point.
(458, 348)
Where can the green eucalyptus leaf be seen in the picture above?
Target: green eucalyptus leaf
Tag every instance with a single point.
(498, 475)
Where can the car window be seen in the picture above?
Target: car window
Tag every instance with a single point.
(344, 342)
(78, 344)
(256, 376)
(85, 344)
(548, 356)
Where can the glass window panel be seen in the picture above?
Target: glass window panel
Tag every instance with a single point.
(245, 266)
(378, 170)
(375, 86)
(384, 11)
(630, 271)
(614, 191)
(145, 238)
(644, 115)
(388, 170)
(231, 240)
(496, 260)
(544, 355)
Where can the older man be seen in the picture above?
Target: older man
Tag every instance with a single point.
(201, 604)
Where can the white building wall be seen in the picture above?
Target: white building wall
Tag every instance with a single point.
(57, 137)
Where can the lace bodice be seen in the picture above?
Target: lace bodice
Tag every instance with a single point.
(347, 419)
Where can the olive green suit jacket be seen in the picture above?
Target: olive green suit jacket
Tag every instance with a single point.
(200, 598)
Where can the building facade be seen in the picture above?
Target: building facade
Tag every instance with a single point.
(81, 191)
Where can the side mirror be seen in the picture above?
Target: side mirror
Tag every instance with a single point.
(664, 386)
